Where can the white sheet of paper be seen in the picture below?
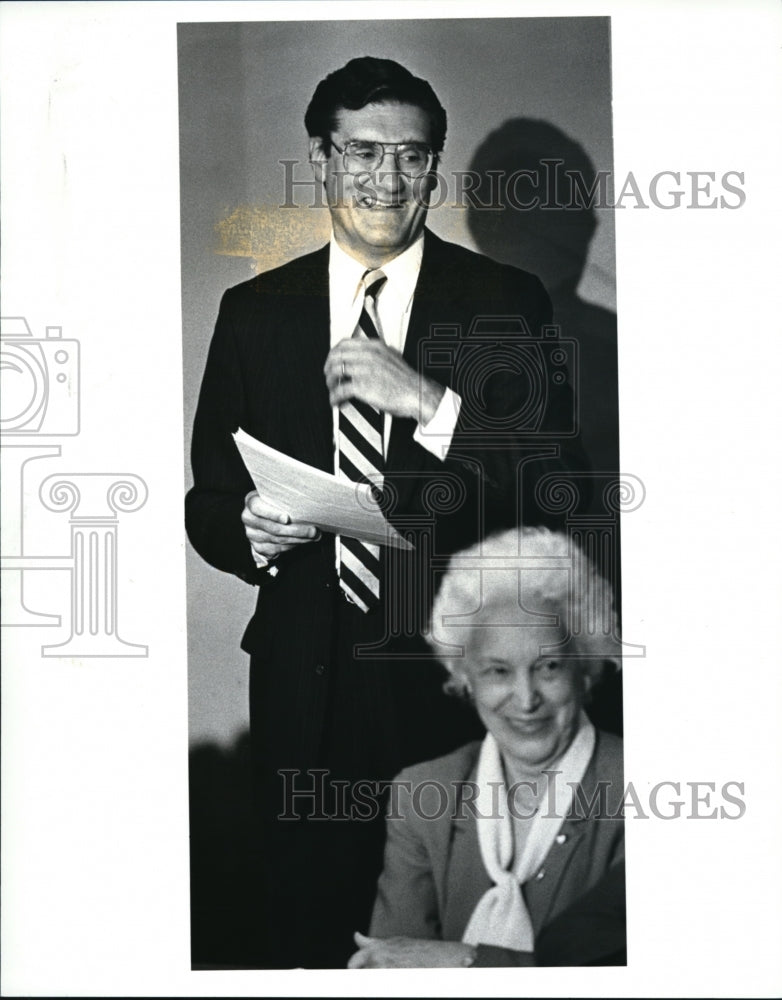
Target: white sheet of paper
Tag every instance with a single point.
(314, 496)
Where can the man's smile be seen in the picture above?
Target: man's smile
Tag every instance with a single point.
(370, 201)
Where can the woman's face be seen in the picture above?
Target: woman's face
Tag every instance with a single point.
(529, 701)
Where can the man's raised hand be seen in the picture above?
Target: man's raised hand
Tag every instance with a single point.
(378, 375)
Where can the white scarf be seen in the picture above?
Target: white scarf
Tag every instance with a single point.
(500, 917)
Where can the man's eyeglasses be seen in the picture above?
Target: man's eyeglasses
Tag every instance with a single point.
(411, 158)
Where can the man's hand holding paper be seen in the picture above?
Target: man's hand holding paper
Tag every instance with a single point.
(293, 500)
(270, 532)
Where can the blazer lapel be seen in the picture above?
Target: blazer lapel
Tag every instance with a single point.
(543, 889)
(434, 293)
(308, 343)
(466, 880)
(464, 875)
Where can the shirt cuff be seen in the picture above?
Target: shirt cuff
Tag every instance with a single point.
(263, 563)
(436, 436)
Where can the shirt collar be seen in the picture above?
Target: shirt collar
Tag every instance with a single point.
(345, 273)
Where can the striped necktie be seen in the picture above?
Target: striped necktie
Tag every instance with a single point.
(361, 459)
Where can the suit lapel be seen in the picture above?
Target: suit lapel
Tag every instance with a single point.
(430, 297)
(307, 346)
(308, 342)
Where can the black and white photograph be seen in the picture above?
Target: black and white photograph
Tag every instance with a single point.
(386, 498)
(483, 398)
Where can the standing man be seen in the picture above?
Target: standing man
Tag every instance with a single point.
(389, 356)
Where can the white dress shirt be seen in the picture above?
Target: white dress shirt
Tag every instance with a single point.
(393, 304)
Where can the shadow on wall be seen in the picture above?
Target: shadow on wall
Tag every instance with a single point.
(534, 173)
(222, 863)
(544, 218)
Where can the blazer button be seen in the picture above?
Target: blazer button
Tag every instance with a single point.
(561, 838)
(320, 670)
(540, 874)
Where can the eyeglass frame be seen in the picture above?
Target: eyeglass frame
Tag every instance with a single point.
(376, 142)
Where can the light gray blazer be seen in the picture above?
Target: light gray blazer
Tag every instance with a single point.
(433, 875)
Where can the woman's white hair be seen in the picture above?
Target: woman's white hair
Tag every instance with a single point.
(524, 572)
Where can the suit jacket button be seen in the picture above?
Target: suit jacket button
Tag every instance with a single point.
(561, 838)
(320, 670)
(540, 874)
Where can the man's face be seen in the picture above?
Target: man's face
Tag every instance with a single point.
(375, 216)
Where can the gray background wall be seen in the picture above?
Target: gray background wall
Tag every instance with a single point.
(243, 92)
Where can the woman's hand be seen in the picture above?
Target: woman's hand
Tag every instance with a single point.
(409, 953)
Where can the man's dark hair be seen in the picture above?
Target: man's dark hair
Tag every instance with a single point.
(368, 80)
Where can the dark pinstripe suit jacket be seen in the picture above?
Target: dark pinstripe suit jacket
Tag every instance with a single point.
(265, 373)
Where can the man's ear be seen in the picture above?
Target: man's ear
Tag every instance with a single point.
(318, 158)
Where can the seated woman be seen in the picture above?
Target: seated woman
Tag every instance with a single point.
(521, 833)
